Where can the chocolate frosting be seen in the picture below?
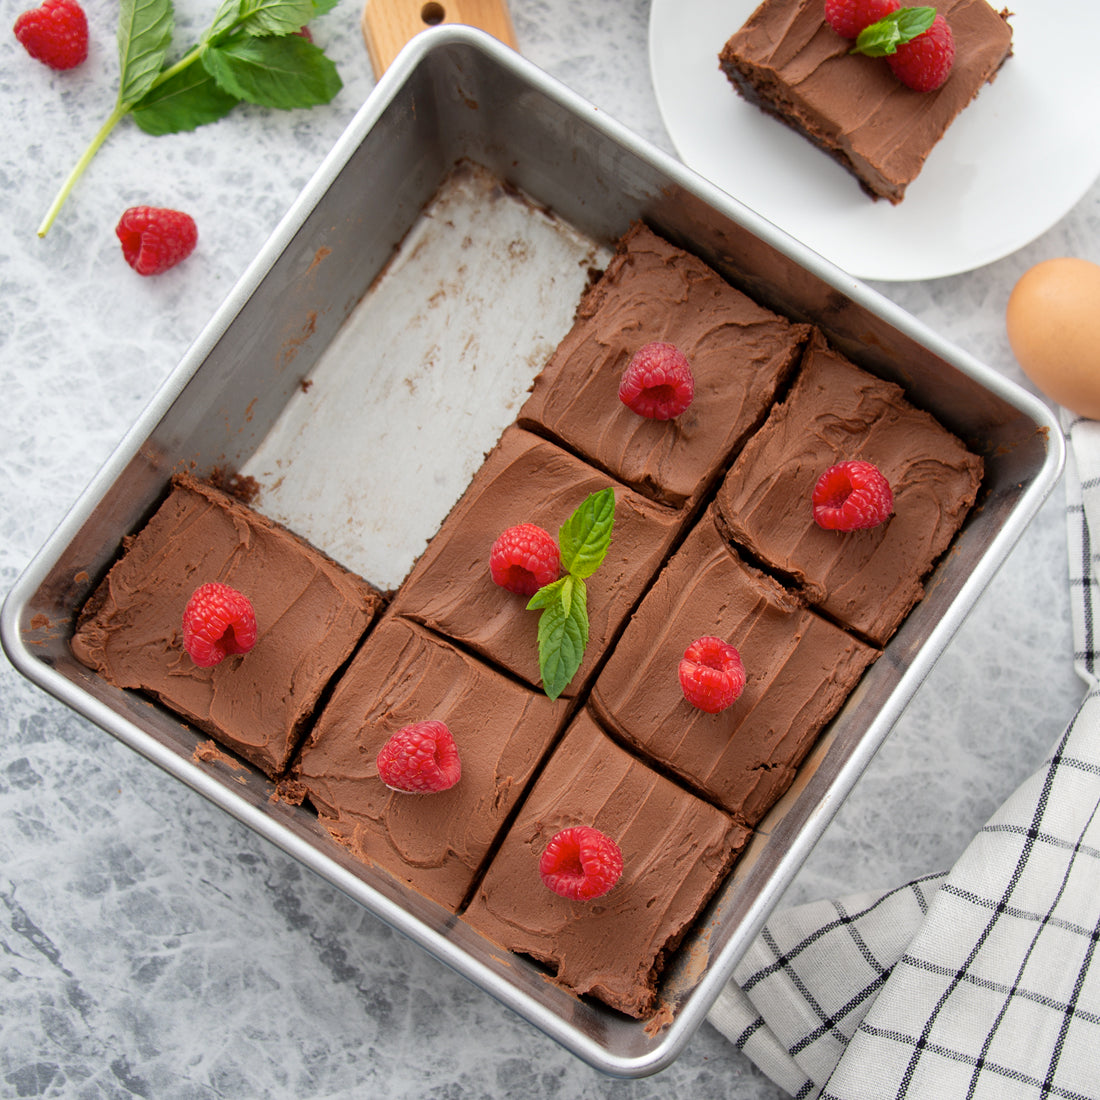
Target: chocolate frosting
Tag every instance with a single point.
(790, 62)
(799, 669)
(310, 613)
(525, 479)
(739, 354)
(402, 675)
(676, 850)
(867, 579)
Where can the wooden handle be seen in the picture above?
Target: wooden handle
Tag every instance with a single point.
(389, 24)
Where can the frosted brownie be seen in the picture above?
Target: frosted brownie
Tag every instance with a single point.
(869, 579)
(799, 670)
(310, 614)
(739, 352)
(525, 479)
(676, 851)
(403, 675)
(787, 60)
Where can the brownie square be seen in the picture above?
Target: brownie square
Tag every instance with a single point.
(867, 579)
(525, 479)
(799, 669)
(402, 675)
(792, 64)
(739, 354)
(310, 614)
(676, 849)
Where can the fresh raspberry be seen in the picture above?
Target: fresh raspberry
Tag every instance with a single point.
(524, 558)
(217, 621)
(657, 383)
(849, 17)
(153, 239)
(924, 62)
(55, 33)
(711, 674)
(420, 759)
(850, 496)
(581, 863)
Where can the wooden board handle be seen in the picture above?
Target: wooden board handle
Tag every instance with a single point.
(389, 24)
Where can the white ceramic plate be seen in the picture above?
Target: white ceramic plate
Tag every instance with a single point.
(1008, 168)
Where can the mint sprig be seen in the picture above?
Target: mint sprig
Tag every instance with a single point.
(583, 541)
(251, 51)
(893, 30)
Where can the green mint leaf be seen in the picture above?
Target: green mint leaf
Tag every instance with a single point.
(893, 30)
(548, 594)
(322, 6)
(189, 99)
(144, 35)
(586, 535)
(225, 19)
(563, 635)
(285, 72)
(277, 17)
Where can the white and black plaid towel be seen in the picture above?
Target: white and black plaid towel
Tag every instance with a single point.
(981, 983)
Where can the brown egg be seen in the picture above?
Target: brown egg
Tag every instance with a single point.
(1053, 321)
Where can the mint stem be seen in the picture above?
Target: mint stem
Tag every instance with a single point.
(78, 169)
(116, 116)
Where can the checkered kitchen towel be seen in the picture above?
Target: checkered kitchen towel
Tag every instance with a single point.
(982, 983)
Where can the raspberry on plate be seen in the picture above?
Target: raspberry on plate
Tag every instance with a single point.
(580, 863)
(55, 33)
(524, 558)
(851, 496)
(217, 621)
(849, 17)
(154, 239)
(924, 63)
(657, 383)
(420, 759)
(712, 674)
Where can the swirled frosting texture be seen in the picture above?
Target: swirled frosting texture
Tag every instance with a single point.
(676, 850)
(310, 614)
(799, 669)
(739, 354)
(869, 579)
(791, 63)
(401, 675)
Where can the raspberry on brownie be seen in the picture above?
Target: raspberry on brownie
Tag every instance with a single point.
(403, 676)
(676, 849)
(798, 669)
(739, 353)
(867, 579)
(310, 614)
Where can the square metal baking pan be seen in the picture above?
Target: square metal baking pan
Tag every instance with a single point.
(454, 96)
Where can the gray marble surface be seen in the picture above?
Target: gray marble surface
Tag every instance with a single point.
(151, 945)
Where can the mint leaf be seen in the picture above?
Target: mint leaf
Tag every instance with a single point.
(563, 625)
(893, 30)
(190, 99)
(548, 594)
(563, 635)
(225, 19)
(262, 17)
(586, 535)
(285, 72)
(144, 35)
